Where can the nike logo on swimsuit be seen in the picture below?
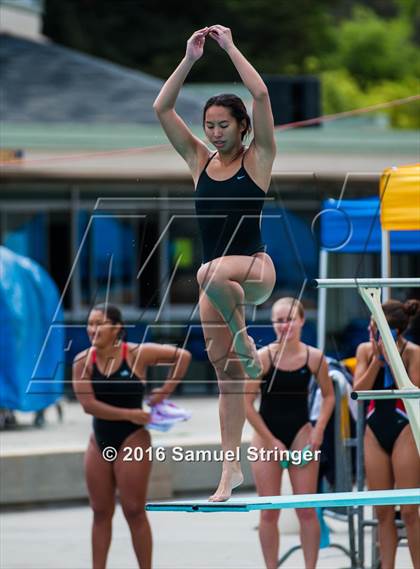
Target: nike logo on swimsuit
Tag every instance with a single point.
(240, 177)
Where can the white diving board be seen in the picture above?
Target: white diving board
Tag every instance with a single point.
(334, 499)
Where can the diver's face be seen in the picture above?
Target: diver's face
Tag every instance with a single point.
(222, 129)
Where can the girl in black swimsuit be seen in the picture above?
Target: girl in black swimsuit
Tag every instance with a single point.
(230, 190)
(391, 456)
(109, 382)
(282, 423)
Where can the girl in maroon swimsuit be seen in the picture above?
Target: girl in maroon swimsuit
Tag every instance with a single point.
(391, 456)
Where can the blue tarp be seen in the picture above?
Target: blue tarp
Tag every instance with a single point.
(353, 226)
(31, 345)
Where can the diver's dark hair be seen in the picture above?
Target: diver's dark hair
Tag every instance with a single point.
(236, 107)
(398, 314)
(113, 313)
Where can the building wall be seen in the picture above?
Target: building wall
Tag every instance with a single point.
(124, 240)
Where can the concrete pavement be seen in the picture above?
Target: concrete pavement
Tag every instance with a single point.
(59, 537)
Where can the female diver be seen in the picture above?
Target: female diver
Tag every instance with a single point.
(230, 187)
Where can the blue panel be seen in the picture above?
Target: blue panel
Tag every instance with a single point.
(83, 252)
(291, 245)
(108, 237)
(30, 239)
(353, 226)
(108, 240)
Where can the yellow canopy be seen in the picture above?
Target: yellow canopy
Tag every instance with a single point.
(399, 190)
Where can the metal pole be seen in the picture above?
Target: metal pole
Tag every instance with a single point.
(385, 262)
(360, 480)
(76, 292)
(365, 283)
(322, 301)
(164, 258)
(338, 443)
(387, 394)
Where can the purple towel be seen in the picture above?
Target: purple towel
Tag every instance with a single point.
(165, 415)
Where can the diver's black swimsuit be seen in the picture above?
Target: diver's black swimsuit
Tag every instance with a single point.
(284, 401)
(229, 214)
(121, 389)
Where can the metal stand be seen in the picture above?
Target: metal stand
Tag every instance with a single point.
(360, 481)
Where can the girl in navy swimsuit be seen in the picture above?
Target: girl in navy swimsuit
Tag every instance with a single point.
(109, 382)
(231, 185)
(391, 456)
(282, 423)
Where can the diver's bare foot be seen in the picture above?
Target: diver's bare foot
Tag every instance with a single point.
(231, 478)
(251, 361)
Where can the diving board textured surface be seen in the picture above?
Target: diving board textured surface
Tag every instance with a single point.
(373, 498)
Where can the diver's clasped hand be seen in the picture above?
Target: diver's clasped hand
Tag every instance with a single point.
(195, 44)
(222, 35)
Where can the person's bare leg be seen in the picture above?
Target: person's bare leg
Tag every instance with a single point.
(379, 475)
(406, 467)
(230, 283)
(267, 476)
(232, 419)
(228, 298)
(101, 487)
(132, 480)
(230, 377)
(304, 481)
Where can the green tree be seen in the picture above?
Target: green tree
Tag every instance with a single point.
(340, 92)
(151, 36)
(373, 49)
(401, 116)
(362, 57)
